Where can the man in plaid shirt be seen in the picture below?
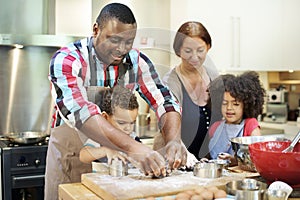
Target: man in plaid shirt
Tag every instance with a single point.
(105, 60)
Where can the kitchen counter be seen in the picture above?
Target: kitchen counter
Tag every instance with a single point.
(277, 125)
(288, 129)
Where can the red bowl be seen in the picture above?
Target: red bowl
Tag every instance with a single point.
(273, 165)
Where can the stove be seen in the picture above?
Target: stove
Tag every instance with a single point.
(22, 170)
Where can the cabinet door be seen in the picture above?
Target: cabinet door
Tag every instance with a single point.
(261, 34)
(291, 34)
(246, 34)
(217, 17)
(70, 18)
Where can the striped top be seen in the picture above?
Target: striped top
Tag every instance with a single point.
(71, 75)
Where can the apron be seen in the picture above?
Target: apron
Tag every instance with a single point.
(63, 164)
(62, 161)
(220, 142)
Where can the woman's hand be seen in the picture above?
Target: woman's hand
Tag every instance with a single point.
(191, 160)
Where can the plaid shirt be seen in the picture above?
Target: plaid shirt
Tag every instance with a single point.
(70, 76)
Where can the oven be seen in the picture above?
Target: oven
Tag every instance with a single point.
(22, 170)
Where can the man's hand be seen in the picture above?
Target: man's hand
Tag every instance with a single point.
(175, 154)
(149, 162)
(174, 150)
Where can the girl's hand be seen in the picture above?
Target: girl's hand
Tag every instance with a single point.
(227, 156)
(224, 156)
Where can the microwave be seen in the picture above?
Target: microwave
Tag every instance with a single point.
(274, 96)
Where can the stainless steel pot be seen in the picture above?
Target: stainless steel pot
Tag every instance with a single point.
(27, 137)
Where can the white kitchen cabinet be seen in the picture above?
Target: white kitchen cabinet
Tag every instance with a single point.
(269, 35)
(291, 32)
(216, 16)
(260, 35)
(73, 18)
(257, 35)
(249, 34)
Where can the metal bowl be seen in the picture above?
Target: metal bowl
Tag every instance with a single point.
(247, 189)
(207, 170)
(240, 146)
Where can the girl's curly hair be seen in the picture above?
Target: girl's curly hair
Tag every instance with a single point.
(110, 98)
(248, 89)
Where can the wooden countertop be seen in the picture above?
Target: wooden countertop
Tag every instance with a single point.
(77, 191)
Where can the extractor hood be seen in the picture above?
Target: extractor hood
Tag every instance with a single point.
(25, 100)
(27, 43)
(27, 16)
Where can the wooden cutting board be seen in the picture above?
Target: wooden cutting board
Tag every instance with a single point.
(75, 191)
(140, 186)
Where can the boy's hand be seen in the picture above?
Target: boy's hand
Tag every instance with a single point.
(113, 154)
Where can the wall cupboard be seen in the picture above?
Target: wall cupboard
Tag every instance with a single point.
(260, 35)
(249, 34)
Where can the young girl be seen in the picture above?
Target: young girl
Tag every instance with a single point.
(243, 101)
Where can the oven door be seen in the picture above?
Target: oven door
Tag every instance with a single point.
(28, 187)
(21, 181)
